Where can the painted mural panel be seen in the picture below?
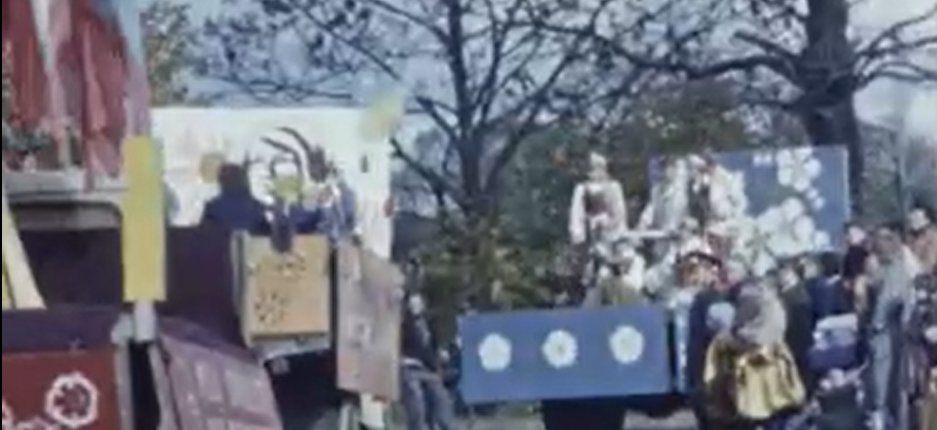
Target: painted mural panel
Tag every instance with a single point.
(243, 136)
(370, 292)
(792, 201)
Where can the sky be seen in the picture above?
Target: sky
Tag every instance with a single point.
(884, 102)
(888, 104)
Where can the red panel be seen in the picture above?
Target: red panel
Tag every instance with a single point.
(63, 390)
(86, 74)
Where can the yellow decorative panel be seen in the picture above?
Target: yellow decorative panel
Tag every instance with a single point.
(143, 225)
(19, 286)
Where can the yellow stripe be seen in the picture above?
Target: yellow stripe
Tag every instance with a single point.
(143, 224)
(18, 278)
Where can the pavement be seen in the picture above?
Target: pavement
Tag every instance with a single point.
(682, 421)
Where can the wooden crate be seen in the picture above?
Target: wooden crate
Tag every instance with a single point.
(287, 294)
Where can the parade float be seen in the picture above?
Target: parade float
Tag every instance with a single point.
(323, 312)
(589, 360)
(97, 327)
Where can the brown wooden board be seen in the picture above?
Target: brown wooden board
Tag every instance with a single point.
(287, 294)
(61, 390)
(369, 290)
(212, 390)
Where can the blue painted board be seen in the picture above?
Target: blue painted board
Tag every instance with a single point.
(565, 354)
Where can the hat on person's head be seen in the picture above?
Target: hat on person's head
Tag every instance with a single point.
(704, 257)
(720, 317)
(622, 253)
(597, 161)
(697, 161)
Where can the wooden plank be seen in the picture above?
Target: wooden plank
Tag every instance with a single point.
(18, 276)
(212, 390)
(287, 294)
(370, 291)
(143, 226)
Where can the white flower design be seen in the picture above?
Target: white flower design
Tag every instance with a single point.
(817, 201)
(793, 229)
(495, 353)
(8, 418)
(822, 241)
(798, 168)
(754, 242)
(561, 350)
(72, 401)
(627, 345)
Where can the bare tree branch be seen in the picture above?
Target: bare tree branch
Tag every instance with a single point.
(877, 47)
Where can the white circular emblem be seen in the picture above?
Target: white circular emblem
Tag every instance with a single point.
(8, 418)
(561, 349)
(495, 353)
(72, 401)
(627, 345)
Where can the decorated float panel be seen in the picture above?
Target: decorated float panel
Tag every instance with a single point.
(73, 368)
(368, 342)
(777, 204)
(194, 141)
(565, 354)
(793, 201)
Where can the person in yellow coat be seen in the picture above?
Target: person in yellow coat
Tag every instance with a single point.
(751, 377)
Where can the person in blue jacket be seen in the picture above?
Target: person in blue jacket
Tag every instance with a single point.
(235, 207)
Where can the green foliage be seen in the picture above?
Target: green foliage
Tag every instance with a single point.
(522, 252)
(168, 34)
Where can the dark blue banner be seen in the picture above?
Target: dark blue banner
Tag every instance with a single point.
(566, 354)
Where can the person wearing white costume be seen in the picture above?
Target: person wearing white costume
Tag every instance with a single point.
(669, 203)
(620, 279)
(598, 212)
(718, 199)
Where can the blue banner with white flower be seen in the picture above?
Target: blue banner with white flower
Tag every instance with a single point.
(780, 203)
(565, 354)
(798, 202)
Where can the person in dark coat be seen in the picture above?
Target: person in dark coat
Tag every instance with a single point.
(857, 250)
(235, 208)
(713, 291)
(427, 404)
(799, 305)
(828, 292)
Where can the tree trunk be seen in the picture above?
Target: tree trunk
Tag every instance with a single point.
(827, 80)
(839, 125)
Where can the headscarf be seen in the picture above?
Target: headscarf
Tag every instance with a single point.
(761, 320)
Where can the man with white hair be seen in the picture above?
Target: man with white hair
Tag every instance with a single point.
(889, 314)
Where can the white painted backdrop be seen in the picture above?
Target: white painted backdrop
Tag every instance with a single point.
(186, 135)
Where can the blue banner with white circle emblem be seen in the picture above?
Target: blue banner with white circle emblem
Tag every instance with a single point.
(565, 354)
